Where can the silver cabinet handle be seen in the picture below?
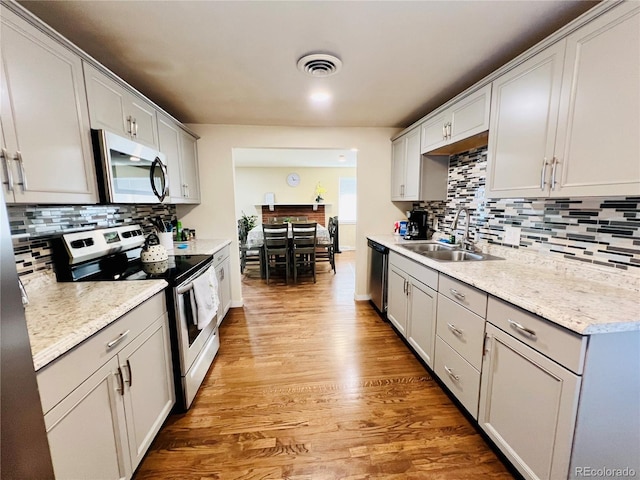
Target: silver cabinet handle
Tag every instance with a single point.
(444, 131)
(129, 125)
(7, 166)
(456, 293)
(23, 174)
(222, 274)
(543, 174)
(130, 373)
(135, 128)
(454, 329)
(451, 374)
(521, 328)
(120, 381)
(554, 165)
(117, 340)
(449, 131)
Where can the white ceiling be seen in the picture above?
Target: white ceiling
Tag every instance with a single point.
(293, 157)
(234, 62)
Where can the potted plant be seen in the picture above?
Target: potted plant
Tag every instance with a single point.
(248, 221)
(320, 191)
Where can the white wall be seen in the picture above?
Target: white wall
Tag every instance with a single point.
(215, 217)
(253, 182)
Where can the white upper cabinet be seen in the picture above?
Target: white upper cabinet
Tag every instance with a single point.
(46, 145)
(598, 143)
(465, 118)
(524, 115)
(182, 158)
(112, 107)
(565, 122)
(414, 177)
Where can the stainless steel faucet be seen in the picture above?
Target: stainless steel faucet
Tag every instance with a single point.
(467, 243)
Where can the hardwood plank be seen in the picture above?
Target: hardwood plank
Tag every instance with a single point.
(310, 385)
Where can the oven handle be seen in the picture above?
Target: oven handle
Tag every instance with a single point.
(182, 289)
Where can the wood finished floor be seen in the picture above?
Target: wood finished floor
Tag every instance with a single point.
(309, 384)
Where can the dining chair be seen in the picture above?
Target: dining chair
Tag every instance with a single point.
(248, 256)
(276, 248)
(303, 251)
(325, 252)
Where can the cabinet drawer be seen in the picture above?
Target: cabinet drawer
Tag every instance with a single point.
(462, 329)
(420, 272)
(58, 379)
(465, 295)
(220, 255)
(565, 347)
(458, 375)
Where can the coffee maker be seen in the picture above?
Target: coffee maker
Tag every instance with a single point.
(417, 229)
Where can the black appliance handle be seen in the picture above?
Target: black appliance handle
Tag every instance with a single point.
(165, 179)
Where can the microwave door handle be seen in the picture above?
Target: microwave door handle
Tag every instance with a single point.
(165, 179)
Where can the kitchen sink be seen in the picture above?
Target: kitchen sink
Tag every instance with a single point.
(448, 253)
(422, 248)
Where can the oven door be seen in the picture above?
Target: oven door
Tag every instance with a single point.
(130, 172)
(191, 341)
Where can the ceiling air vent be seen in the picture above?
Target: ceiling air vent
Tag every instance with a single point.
(319, 65)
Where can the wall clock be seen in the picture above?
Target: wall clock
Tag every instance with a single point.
(293, 179)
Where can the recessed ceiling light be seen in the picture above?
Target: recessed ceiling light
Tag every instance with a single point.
(320, 97)
(342, 158)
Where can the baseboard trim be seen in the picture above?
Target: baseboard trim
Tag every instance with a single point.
(361, 298)
(237, 303)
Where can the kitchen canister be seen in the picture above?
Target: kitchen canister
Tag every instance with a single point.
(166, 240)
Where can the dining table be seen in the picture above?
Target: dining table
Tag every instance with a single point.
(255, 237)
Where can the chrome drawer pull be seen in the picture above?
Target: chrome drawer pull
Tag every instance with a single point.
(7, 166)
(454, 329)
(521, 328)
(120, 381)
(130, 373)
(115, 341)
(457, 293)
(451, 374)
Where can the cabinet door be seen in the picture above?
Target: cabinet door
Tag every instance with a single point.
(398, 148)
(397, 299)
(470, 115)
(149, 392)
(143, 116)
(189, 165)
(526, 396)
(45, 119)
(169, 143)
(224, 288)
(524, 115)
(107, 102)
(421, 324)
(96, 452)
(413, 166)
(598, 146)
(433, 133)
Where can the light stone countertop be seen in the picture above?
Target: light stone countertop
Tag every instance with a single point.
(62, 315)
(584, 300)
(200, 246)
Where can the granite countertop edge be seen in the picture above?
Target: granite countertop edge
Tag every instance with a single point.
(62, 315)
(579, 304)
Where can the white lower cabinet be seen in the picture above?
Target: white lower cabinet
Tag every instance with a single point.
(412, 302)
(557, 404)
(87, 431)
(103, 427)
(528, 406)
(222, 265)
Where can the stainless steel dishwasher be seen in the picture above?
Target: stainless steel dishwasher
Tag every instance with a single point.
(378, 275)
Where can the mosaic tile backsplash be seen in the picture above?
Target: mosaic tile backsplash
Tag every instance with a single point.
(33, 226)
(602, 231)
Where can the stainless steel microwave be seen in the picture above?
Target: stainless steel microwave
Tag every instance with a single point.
(127, 171)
